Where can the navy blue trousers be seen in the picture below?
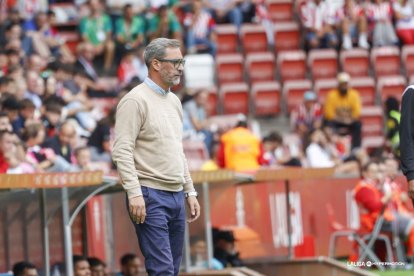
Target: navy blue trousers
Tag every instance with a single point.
(161, 236)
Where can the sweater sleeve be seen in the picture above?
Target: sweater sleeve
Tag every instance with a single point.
(127, 126)
(406, 134)
(188, 185)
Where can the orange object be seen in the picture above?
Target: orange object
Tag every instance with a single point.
(241, 149)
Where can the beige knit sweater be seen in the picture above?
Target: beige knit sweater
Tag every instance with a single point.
(148, 148)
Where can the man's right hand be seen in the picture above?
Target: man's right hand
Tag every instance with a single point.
(137, 209)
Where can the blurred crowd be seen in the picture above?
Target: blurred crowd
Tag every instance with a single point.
(130, 265)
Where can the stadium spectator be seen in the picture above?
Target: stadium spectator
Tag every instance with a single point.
(81, 266)
(62, 141)
(308, 115)
(263, 17)
(373, 199)
(352, 21)
(116, 7)
(45, 40)
(379, 13)
(318, 22)
(35, 63)
(164, 23)
(393, 117)
(42, 159)
(86, 71)
(35, 88)
(5, 122)
(321, 153)
(26, 114)
(200, 36)
(343, 109)
(97, 267)
(51, 117)
(6, 145)
(224, 249)
(239, 149)
(199, 255)
(195, 118)
(404, 25)
(400, 200)
(100, 140)
(11, 107)
(24, 269)
(97, 30)
(226, 11)
(276, 153)
(130, 30)
(84, 161)
(132, 67)
(130, 265)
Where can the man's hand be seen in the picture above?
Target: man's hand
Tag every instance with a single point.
(192, 203)
(137, 209)
(411, 190)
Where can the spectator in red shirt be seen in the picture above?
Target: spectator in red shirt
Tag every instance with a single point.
(6, 145)
(200, 34)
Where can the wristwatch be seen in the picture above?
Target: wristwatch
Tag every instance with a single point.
(194, 193)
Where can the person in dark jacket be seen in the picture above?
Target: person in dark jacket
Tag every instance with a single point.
(407, 138)
(61, 143)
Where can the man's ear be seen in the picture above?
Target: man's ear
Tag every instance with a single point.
(156, 65)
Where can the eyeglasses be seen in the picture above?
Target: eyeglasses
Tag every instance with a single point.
(175, 62)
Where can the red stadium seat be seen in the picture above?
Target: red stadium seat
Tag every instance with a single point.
(260, 67)
(280, 10)
(323, 87)
(355, 62)
(235, 98)
(254, 38)
(407, 56)
(212, 102)
(323, 63)
(372, 121)
(227, 38)
(293, 91)
(386, 61)
(287, 36)
(366, 88)
(292, 65)
(195, 153)
(230, 68)
(266, 98)
(393, 86)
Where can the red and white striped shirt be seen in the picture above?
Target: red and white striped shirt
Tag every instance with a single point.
(379, 12)
(350, 11)
(315, 16)
(202, 26)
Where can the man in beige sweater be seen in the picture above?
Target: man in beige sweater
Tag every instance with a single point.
(149, 156)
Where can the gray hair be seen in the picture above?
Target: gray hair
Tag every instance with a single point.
(156, 49)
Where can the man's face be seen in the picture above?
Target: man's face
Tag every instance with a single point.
(391, 168)
(132, 268)
(171, 73)
(98, 270)
(5, 123)
(30, 272)
(66, 135)
(89, 52)
(372, 173)
(82, 268)
(7, 143)
(84, 158)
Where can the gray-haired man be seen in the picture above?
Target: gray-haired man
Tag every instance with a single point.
(149, 155)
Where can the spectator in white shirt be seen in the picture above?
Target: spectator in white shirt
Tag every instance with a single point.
(404, 15)
(318, 22)
(379, 13)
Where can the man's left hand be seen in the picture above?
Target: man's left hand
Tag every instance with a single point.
(192, 203)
